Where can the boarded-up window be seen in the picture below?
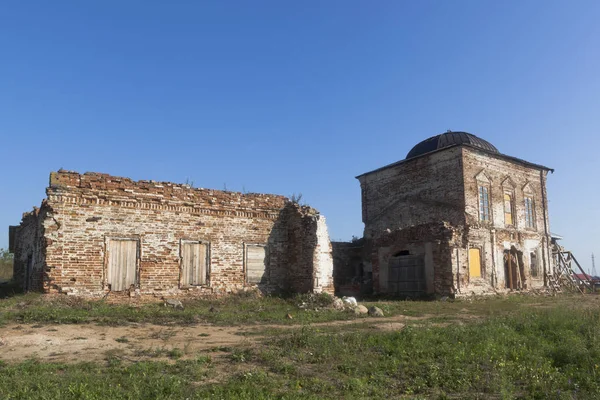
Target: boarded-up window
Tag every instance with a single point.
(474, 263)
(255, 262)
(122, 263)
(508, 209)
(194, 262)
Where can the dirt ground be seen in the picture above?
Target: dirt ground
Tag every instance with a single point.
(135, 342)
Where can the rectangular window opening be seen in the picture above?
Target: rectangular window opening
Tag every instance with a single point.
(534, 265)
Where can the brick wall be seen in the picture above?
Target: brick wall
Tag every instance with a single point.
(403, 203)
(29, 250)
(496, 237)
(434, 242)
(418, 191)
(84, 211)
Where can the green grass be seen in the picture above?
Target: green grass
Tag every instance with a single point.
(547, 348)
(247, 309)
(536, 354)
(232, 310)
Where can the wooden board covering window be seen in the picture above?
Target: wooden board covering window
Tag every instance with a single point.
(508, 206)
(193, 263)
(474, 263)
(255, 263)
(122, 264)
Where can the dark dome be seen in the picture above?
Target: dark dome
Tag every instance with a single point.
(450, 139)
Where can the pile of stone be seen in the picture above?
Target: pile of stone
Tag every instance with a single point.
(350, 303)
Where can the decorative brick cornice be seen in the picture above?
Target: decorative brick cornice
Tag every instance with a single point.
(69, 199)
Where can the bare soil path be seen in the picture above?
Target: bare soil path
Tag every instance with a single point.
(90, 342)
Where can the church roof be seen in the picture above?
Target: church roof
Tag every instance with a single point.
(448, 139)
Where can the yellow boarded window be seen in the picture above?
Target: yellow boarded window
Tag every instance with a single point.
(474, 263)
(508, 207)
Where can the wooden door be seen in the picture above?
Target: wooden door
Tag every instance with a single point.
(255, 263)
(474, 263)
(194, 259)
(122, 264)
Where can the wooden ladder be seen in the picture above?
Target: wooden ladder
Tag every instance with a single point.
(553, 285)
(565, 275)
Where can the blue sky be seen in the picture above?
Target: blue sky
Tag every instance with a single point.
(297, 97)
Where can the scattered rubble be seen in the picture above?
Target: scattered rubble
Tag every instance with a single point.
(351, 301)
(375, 312)
(174, 303)
(360, 310)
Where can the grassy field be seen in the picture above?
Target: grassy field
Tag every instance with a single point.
(516, 347)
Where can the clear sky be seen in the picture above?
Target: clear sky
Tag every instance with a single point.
(297, 96)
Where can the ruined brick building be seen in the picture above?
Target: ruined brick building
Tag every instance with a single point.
(96, 234)
(454, 217)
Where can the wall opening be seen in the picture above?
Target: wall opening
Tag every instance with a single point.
(533, 261)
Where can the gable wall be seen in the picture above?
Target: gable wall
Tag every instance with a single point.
(428, 189)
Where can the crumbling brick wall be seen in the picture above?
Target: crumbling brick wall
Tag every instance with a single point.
(434, 242)
(443, 187)
(496, 237)
(308, 245)
(414, 192)
(84, 211)
(30, 249)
